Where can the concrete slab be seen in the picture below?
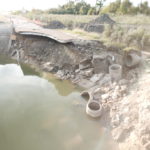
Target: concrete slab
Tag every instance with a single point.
(26, 27)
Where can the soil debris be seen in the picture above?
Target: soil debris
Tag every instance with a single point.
(55, 24)
(97, 25)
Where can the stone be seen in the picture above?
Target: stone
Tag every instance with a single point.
(96, 77)
(84, 64)
(115, 120)
(85, 83)
(115, 95)
(77, 70)
(106, 80)
(88, 72)
(60, 73)
(105, 96)
(145, 139)
(123, 89)
(100, 64)
(117, 133)
(147, 146)
(123, 82)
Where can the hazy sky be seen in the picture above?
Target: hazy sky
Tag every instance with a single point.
(42, 4)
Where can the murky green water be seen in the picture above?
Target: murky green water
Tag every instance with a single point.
(37, 114)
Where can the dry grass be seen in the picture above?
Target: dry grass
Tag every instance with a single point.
(132, 19)
(84, 34)
(66, 19)
(137, 37)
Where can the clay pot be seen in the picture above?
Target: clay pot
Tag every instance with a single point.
(94, 109)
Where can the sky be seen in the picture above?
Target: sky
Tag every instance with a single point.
(7, 5)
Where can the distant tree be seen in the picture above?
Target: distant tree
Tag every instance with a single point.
(84, 9)
(113, 7)
(144, 8)
(92, 11)
(125, 7)
(99, 5)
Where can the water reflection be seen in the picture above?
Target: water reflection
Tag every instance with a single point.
(64, 87)
(10, 70)
(34, 116)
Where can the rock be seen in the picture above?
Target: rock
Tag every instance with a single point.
(72, 76)
(145, 139)
(115, 95)
(88, 72)
(84, 64)
(77, 70)
(105, 96)
(60, 73)
(123, 89)
(115, 121)
(106, 80)
(123, 82)
(147, 146)
(96, 77)
(85, 83)
(100, 64)
(117, 88)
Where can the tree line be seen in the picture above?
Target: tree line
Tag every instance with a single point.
(80, 7)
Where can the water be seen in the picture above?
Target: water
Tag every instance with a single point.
(39, 114)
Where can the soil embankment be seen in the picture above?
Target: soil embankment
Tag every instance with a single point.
(87, 63)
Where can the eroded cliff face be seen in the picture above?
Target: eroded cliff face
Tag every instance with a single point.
(49, 53)
(87, 64)
(83, 58)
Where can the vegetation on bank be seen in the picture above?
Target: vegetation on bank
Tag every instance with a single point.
(119, 37)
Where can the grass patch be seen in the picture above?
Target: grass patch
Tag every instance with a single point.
(84, 34)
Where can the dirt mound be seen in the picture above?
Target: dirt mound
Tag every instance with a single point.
(130, 118)
(97, 25)
(55, 25)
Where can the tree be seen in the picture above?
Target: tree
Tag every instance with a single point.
(125, 7)
(84, 10)
(144, 8)
(92, 11)
(99, 5)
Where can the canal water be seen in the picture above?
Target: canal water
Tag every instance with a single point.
(45, 114)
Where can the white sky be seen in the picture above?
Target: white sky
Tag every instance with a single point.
(42, 4)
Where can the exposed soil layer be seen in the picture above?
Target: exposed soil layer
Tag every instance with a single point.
(87, 63)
